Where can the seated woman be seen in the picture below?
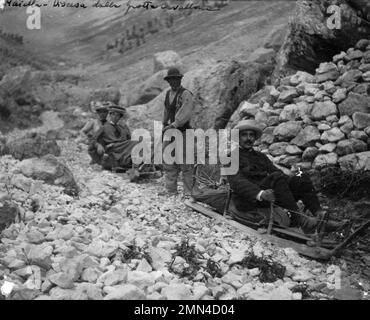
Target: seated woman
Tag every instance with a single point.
(92, 129)
(115, 139)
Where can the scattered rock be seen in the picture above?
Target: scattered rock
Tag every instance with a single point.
(324, 160)
(361, 120)
(29, 147)
(355, 161)
(350, 146)
(332, 135)
(354, 103)
(177, 292)
(307, 137)
(124, 292)
(50, 170)
(288, 94)
(287, 130)
(321, 110)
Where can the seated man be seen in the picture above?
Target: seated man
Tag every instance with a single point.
(258, 183)
(114, 139)
(92, 129)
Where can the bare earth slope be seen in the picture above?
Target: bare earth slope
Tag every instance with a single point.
(80, 36)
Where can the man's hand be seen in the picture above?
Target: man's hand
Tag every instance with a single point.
(168, 127)
(268, 195)
(109, 145)
(99, 149)
(223, 180)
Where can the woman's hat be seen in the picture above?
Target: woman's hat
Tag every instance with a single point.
(249, 125)
(173, 73)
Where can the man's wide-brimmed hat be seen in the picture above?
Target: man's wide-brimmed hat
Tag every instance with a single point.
(97, 106)
(173, 73)
(116, 108)
(250, 125)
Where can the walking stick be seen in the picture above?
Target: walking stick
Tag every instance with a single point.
(271, 220)
(227, 203)
(320, 230)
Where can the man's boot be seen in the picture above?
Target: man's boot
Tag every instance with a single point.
(309, 224)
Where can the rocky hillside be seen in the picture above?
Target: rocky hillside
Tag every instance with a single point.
(70, 231)
(312, 40)
(312, 121)
(120, 240)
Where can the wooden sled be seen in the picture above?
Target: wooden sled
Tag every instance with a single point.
(304, 244)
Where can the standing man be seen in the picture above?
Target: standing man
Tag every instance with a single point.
(178, 108)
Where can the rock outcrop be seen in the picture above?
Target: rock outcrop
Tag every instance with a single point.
(50, 170)
(218, 89)
(8, 213)
(148, 90)
(311, 39)
(33, 145)
(166, 59)
(316, 120)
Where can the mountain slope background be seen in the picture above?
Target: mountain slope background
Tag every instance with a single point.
(77, 37)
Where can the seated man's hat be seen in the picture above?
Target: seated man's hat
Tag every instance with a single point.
(98, 106)
(116, 108)
(173, 73)
(249, 124)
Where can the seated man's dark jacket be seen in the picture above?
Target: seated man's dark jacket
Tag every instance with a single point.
(254, 167)
(112, 133)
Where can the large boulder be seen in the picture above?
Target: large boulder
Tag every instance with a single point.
(8, 213)
(307, 137)
(354, 103)
(327, 71)
(275, 38)
(323, 109)
(295, 111)
(324, 160)
(50, 170)
(16, 80)
(350, 146)
(148, 90)
(267, 94)
(287, 130)
(105, 94)
(26, 94)
(288, 94)
(35, 145)
(361, 120)
(278, 148)
(166, 59)
(355, 161)
(310, 40)
(218, 89)
(332, 135)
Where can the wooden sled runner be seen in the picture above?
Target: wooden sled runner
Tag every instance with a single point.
(287, 237)
(215, 203)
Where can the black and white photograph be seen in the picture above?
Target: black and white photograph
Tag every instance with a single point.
(187, 155)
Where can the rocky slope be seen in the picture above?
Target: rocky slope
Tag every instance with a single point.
(82, 233)
(312, 121)
(120, 240)
(312, 40)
